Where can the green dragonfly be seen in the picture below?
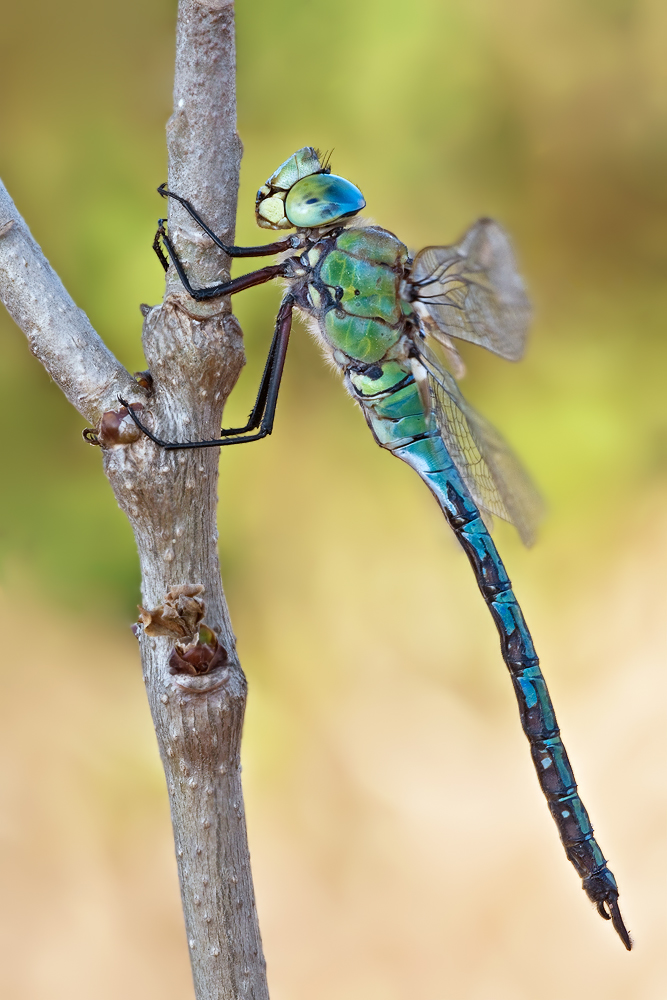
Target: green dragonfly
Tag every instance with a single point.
(378, 314)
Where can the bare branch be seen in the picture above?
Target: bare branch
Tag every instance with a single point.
(59, 333)
(195, 685)
(204, 148)
(195, 354)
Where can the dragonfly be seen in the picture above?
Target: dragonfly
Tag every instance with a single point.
(388, 321)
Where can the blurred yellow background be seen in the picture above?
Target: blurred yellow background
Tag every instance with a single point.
(401, 846)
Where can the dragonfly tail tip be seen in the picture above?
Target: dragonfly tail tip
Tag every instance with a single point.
(610, 910)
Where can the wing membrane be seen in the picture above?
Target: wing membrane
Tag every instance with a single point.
(472, 290)
(497, 481)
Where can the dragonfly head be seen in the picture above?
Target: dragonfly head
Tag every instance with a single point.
(303, 194)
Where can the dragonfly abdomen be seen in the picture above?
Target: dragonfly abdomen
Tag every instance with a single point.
(391, 410)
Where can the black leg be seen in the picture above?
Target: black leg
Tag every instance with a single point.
(291, 243)
(264, 410)
(161, 256)
(255, 418)
(214, 291)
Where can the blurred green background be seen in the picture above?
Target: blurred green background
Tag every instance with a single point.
(400, 843)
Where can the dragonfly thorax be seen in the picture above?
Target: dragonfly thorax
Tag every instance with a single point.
(348, 281)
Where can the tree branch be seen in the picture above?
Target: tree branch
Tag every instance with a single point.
(59, 333)
(195, 685)
(204, 148)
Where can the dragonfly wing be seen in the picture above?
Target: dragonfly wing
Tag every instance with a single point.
(472, 290)
(497, 481)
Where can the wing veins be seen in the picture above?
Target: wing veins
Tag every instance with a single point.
(494, 476)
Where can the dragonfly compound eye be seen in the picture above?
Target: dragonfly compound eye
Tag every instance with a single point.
(321, 199)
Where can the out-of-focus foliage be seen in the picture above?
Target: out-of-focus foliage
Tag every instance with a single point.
(399, 838)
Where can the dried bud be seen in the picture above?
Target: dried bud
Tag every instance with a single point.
(198, 657)
(145, 380)
(179, 615)
(116, 427)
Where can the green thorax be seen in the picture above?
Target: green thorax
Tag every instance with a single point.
(355, 293)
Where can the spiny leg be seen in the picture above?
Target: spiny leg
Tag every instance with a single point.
(161, 256)
(264, 410)
(259, 408)
(291, 243)
(213, 291)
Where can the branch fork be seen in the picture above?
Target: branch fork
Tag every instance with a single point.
(195, 685)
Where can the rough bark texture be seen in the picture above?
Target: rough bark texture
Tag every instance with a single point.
(194, 352)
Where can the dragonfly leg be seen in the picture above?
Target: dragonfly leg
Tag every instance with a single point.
(264, 410)
(212, 291)
(291, 243)
(161, 255)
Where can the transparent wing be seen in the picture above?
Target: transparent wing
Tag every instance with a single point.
(473, 291)
(497, 481)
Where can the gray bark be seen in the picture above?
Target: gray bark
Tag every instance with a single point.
(194, 352)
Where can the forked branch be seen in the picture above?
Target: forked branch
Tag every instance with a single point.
(194, 682)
